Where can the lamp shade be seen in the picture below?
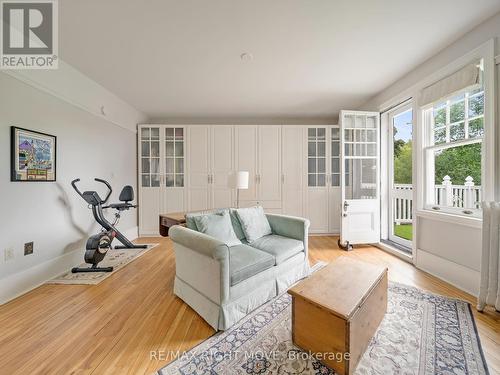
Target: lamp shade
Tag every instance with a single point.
(241, 180)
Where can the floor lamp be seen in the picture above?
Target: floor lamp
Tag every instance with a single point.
(240, 182)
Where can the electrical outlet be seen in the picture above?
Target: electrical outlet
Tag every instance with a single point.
(28, 248)
(8, 254)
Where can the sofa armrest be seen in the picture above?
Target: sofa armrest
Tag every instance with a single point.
(289, 226)
(199, 242)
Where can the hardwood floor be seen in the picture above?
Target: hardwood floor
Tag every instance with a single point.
(113, 327)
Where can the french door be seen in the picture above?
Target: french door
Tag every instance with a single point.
(360, 177)
(400, 189)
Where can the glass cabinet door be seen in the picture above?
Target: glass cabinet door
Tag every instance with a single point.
(174, 157)
(316, 157)
(335, 156)
(150, 157)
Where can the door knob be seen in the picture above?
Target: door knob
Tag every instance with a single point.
(345, 206)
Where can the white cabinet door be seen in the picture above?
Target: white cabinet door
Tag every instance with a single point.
(198, 167)
(293, 170)
(173, 189)
(246, 158)
(269, 172)
(360, 179)
(222, 165)
(149, 160)
(317, 191)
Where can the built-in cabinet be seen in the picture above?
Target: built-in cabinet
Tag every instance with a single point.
(258, 151)
(210, 163)
(322, 194)
(161, 180)
(293, 170)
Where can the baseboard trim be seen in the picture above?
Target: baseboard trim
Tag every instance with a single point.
(463, 278)
(22, 282)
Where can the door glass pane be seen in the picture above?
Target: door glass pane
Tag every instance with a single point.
(145, 133)
(155, 133)
(145, 180)
(401, 213)
(169, 148)
(155, 149)
(169, 134)
(311, 149)
(179, 180)
(311, 164)
(155, 180)
(179, 148)
(336, 180)
(145, 148)
(169, 180)
(145, 165)
(155, 165)
(362, 182)
(179, 165)
(321, 149)
(321, 165)
(335, 133)
(311, 180)
(179, 133)
(169, 165)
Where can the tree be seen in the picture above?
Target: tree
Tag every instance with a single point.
(403, 164)
(458, 163)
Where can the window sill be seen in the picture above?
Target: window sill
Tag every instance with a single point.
(473, 222)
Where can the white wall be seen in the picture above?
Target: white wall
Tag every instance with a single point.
(449, 250)
(88, 146)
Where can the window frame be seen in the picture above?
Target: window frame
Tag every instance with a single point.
(429, 148)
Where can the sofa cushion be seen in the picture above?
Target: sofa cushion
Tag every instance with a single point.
(246, 261)
(282, 248)
(191, 224)
(218, 226)
(237, 225)
(253, 222)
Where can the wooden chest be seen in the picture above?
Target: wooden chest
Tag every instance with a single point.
(337, 310)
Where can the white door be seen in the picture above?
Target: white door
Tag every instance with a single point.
(293, 166)
(149, 178)
(316, 208)
(246, 158)
(269, 171)
(334, 198)
(222, 165)
(360, 177)
(198, 167)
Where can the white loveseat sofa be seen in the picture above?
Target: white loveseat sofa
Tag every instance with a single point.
(224, 283)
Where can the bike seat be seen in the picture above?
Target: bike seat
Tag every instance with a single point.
(120, 206)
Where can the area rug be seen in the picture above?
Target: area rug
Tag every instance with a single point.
(116, 258)
(422, 333)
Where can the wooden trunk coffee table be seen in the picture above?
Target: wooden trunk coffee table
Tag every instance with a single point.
(337, 310)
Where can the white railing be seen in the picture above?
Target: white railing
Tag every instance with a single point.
(463, 196)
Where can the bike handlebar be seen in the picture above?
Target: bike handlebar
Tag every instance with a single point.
(110, 190)
(107, 185)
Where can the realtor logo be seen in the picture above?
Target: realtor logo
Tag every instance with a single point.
(28, 34)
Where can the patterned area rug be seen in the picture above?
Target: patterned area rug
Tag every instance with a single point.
(422, 333)
(114, 258)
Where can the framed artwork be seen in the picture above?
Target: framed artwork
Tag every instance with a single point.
(33, 155)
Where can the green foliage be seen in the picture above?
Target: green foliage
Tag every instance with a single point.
(458, 163)
(403, 164)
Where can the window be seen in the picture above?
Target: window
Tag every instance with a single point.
(174, 157)
(454, 153)
(316, 157)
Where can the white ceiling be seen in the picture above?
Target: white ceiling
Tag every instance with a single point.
(311, 58)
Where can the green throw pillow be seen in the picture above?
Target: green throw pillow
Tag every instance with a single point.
(254, 223)
(218, 226)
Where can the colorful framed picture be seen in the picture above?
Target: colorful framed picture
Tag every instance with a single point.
(33, 155)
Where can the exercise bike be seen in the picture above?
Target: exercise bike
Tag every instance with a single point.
(98, 245)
